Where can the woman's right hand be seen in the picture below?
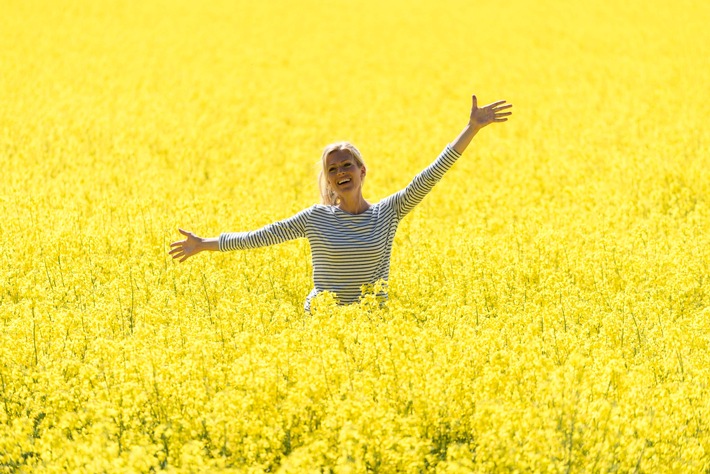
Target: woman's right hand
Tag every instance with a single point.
(184, 249)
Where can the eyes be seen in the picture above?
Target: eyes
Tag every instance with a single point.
(345, 165)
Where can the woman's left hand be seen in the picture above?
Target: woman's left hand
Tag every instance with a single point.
(495, 112)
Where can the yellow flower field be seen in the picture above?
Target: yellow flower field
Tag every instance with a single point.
(549, 300)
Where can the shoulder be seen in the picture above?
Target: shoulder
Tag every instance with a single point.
(322, 209)
(387, 202)
(315, 209)
(321, 212)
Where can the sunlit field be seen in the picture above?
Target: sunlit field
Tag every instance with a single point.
(549, 301)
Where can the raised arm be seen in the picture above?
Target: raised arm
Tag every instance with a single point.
(405, 200)
(480, 117)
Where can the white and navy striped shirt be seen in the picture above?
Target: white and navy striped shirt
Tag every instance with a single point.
(348, 250)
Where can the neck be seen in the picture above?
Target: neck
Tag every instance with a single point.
(354, 205)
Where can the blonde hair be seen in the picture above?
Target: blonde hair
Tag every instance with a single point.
(328, 196)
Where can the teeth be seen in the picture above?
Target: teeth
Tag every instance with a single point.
(344, 181)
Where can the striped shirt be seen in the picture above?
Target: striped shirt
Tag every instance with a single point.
(348, 251)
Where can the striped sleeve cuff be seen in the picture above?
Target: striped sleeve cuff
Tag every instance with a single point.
(229, 242)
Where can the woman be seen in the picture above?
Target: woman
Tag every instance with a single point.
(350, 239)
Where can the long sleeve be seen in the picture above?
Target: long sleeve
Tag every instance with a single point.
(406, 199)
(272, 234)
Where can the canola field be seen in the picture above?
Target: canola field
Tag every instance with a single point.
(549, 300)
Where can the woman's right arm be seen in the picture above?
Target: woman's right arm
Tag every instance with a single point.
(272, 234)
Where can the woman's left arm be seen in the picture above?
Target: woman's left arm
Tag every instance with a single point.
(405, 200)
(480, 117)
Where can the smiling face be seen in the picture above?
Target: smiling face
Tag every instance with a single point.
(344, 173)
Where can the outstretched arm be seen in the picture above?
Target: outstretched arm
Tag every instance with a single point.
(288, 229)
(192, 245)
(480, 117)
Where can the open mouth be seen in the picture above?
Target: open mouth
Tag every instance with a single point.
(343, 181)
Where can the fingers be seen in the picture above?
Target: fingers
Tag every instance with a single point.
(497, 111)
(504, 107)
(496, 104)
(179, 254)
(178, 251)
(497, 108)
